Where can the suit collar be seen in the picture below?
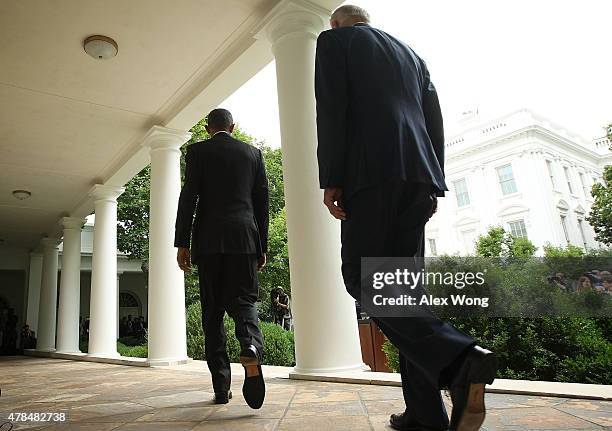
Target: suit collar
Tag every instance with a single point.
(221, 132)
(221, 136)
(361, 24)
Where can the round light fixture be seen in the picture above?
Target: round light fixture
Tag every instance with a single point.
(100, 47)
(21, 194)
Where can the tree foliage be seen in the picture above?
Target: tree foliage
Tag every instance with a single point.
(499, 243)
(600, 216)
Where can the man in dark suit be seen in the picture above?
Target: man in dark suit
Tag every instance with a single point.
(227, 179)
(381, 164)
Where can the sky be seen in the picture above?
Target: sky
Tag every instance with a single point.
(494, 56)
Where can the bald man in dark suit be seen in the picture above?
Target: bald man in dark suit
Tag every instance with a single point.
(226, 178)
(381, 164)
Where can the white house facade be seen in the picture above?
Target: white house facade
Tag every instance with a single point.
(521, 172)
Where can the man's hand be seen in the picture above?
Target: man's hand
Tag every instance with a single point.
(183, 257)
(332, 199)
(434, 205)
(261, 262)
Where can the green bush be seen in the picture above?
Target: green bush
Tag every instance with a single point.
(278, 343)
(195, 335)
(132, 340)
(550, 349)
(392, 355)
(279, 348)
(140, 351)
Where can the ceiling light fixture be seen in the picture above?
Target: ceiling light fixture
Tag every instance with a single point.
(100, 47)
(21, 194)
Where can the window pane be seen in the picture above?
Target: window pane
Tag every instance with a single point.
(432, 247)
(461, 192)
(518, 229)
(567, 178)
(564, 226)
(581, 229)
(506, 179)
(551, 173)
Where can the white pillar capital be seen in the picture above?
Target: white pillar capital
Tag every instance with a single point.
(293, 18)
(50, 243)
(72, 223)
(101, 192)
(164, 138)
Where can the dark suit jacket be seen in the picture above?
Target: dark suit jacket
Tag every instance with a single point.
(378, 115)
(227, 178)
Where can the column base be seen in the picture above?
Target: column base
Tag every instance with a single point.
(70, 352)
(165, 362)
(104, 355)
(45, 349)
(348, 369)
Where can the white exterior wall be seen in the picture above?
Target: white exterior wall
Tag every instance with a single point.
(525, 141)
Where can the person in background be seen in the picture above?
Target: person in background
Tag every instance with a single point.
(607, 285)
(584, 284)
(129, 325)
(561, 281)
(28, 340)
(280, 307)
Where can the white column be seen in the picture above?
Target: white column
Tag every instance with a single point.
(326, 334)
(47, 312)
(103, 299)
(34, 280)
(166, 330)
(70, 287)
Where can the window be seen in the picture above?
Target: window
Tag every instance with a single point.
(581, 229)
(568, 179)
(518, 229)
(127, 300)
(461, 193)
(506, 179)
(564, 226)
(432, 247)
(551, 173)
(585, 188)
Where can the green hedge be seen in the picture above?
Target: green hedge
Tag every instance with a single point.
(141, 351)
(135, 350)
(278, 343)
(551, 349)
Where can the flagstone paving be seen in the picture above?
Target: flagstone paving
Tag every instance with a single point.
(104, 397)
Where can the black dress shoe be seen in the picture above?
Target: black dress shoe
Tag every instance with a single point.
(402, 422)
(254, 388)
(223, 397)
(468, 388)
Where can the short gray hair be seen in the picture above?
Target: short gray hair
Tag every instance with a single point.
(350, 10)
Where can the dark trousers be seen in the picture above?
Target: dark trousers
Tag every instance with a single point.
(228, 282)
(388, 221)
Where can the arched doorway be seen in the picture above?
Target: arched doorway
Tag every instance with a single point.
(129, 304)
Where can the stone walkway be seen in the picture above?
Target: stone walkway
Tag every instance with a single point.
(106, 397)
